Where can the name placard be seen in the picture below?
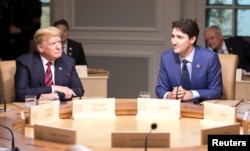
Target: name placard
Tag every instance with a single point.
(42, 113)
(93, 108)
(224, 130)
(81, 71)
(158, 108)
(137, 139)
(55, 134)
(219, 113)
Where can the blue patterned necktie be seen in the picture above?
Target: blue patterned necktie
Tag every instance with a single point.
(185, 80)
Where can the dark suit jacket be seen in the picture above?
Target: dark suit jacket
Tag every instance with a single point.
(30, 75)
(76, 51)
(206, 76)
(240, 47)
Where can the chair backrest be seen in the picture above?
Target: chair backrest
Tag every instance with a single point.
(229, 63)
(7, 72)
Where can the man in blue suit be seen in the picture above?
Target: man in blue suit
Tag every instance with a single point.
(31, 70)
(204, 68)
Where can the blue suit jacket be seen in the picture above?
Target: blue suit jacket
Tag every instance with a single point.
(30, 75)
(206, 76)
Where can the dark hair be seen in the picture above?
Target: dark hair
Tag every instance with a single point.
(188, 27)
(62, 22)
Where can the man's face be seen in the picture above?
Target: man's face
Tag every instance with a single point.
(181, 43)
(214, 40)
(64, 32)
(51, 48)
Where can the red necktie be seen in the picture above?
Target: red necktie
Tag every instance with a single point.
(48, 75)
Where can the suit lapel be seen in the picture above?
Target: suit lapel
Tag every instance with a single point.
(177, 67)
(196, 65)
(38, 64)
(58, 71)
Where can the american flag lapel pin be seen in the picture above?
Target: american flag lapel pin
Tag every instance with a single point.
(198, 66)
(60, 68)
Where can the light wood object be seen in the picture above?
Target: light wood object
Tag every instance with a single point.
(242, 86)
(7, 72)
(96, 133)
(95, 85)
(127, 139)
(245, 123)
(229, 64)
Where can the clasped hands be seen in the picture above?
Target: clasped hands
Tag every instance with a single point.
(180, 93)
(68, 93)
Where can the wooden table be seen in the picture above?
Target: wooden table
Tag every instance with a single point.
(97, 133)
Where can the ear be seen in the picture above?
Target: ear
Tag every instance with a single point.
(40, 48)
(192, 39)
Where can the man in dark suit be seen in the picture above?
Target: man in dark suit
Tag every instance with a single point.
(70, 47)
(234, 45)
(47, 63)
(203, 65)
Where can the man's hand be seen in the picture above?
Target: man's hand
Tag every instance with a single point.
(15, 30)
(180, 93)
(69, 93)
(48, 97)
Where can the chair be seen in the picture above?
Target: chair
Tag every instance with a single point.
(229, 63)
(7, 72)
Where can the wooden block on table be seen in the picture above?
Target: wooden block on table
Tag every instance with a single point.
(66, 110)
(93, 108)
(137, 139)
(97, 72)
(81, 71)
(55, 134)
(241, 111)
(192, 110)
(126, 106)
(45, 112)
(245, 123)
(219, 113)
(224, 130)
(158, 108)
(233, 103)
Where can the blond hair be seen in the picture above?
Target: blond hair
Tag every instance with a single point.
(45, 33)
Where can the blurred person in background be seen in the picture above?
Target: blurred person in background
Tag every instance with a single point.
(70, 47)
(234, 45)
(19, 20)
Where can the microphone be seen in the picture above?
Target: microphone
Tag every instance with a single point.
(13, 148)
(153, 126)
(4, 103)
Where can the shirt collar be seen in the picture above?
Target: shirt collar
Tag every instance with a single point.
(190, 57)
(45, 61)
(224, 47)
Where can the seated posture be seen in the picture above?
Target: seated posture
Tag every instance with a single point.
(70, 47)
(188, 72)
(46, 72)
(233, 45)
